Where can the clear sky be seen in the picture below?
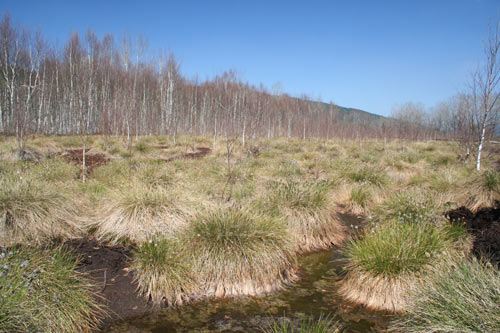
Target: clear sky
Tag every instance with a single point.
(370, 55)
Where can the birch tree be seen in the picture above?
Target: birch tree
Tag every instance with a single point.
(485, 90)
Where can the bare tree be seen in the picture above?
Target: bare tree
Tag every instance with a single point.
(485, 90)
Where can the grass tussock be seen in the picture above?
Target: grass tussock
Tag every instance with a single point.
(41, 291)
(308, 324)
(238, 253)
(139, 213)
(34, 211)
(390, 259)
(412, 206)
(164, 272)
(464, 298)
(308, 212)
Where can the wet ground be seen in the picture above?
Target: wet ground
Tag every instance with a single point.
(108, 267)
(484, 225)
(314, 295)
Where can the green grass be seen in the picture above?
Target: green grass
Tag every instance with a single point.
(308, 324)
(41, 291)
(361, 196)
(368, 175)
(409, 207)
(164, 272)
(297, 195)
(465, 298)
(397, 248)
(491, 181)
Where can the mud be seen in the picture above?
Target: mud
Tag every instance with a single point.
(199, 153)
(485, 226)
(92, 161)
(108, 267)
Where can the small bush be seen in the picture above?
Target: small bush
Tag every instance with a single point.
(164, 272)
(465, 298)
(41, 291)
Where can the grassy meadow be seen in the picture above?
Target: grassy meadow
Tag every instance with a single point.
(233, 222)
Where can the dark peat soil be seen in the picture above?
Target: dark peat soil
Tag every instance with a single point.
(108, 267)
(485, 226)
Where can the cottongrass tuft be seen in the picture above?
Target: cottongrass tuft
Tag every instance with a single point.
(34, 211)
(139, 213)
(463, 298)
(41, 291)
(164, 271)
(240, 253)
(309, 212)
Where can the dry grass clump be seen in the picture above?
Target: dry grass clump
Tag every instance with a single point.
(164, 271)
(390, 259)
(463, 298)
(138, 213)
(483, 190)
(41, 291)
(34, 211)
(308, 212)
(238, 253)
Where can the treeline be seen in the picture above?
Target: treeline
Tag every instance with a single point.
(93, 86)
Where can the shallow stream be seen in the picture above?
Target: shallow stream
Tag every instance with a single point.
(313, 295)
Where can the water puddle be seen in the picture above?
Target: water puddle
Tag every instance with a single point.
(314, 294)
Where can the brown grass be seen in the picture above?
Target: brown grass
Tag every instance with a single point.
(140, 213)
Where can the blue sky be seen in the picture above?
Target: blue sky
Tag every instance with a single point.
(370, 55)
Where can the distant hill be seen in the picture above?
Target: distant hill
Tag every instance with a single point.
(351, 115)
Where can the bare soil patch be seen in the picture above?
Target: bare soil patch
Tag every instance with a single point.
(485, 226)
(92, 161)
(108, 266)
(199, 153)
